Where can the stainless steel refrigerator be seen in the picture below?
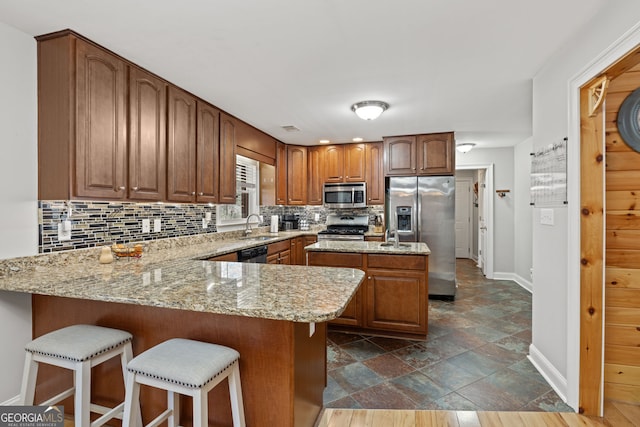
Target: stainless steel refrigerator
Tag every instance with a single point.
(422, 209)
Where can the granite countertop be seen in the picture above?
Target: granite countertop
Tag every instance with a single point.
(174, 275)
(405, 248)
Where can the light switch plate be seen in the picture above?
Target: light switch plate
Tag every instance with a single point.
(205, 223)
(157, 225)
(146, 225)
(64, 231)
(546, 216)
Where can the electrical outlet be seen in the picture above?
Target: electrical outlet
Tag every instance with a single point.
(157, 225)
(146, 225)
(64, 230)
(316, 217)
(207, 216)
(546, 216)
(205, 223)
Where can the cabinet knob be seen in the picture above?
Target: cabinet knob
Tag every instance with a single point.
(413, 168)
(134, 188)
(369, 277)
(118, 189)
(193, 193)
(201, 194)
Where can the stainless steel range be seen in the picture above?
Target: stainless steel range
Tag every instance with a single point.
(345, 227)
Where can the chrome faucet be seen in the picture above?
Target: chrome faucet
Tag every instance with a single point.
(247, 229)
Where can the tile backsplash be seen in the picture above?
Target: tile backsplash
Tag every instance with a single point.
(97, 223)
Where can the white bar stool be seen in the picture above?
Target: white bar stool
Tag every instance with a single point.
(78, 348)
(188, 367)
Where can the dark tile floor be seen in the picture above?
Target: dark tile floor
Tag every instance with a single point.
(474, 358)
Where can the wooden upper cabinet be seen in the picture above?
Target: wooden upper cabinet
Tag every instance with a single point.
(400, 155)
(334, 163)
(227, 159)
(207, 152)
(281, 173)
(436, 154)
(147, 136)
(429, 154)
(374, 176)
(354, 162)
(296, 175)
(181, 146)
(101, 126)
(316, 175)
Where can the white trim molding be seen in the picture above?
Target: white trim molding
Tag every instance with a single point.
(549, 372)
(524, 283)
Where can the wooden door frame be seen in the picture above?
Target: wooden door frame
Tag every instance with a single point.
(586, 248)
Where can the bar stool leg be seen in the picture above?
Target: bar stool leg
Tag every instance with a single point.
(132, 402)
(200, 408)
(173, 403)
(28, 388)
(82, 399)
(235, 393)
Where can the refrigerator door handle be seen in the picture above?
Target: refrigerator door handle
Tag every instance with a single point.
(416, 221)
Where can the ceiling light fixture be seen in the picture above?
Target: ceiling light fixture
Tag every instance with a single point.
(369, 110)
(465, 147)
(324, 141)
(357, 139)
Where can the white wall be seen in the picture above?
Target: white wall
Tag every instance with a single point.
(18, 192)
(550, 243)
(523, 214)
(503, 214)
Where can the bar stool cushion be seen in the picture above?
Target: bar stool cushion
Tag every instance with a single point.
(184, 362)
(78, 342)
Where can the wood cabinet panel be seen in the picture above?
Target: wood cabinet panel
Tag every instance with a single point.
(400, 155)
(232, 257)
(279, 252)
(281, 173)
(333, 163)
(396, 300)
(406, 262)
(101, 127)
(316, 176)
(436, 154)
(297, 251)
(207, 153)
(373, 238)
(354, 163)
(147, 136)
(227, 185)
(296, 175)
(181, 146)
(374, 175)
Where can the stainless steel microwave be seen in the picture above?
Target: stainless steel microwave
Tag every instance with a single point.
(345, 195)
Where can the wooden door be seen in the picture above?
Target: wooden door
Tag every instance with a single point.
(181, 146)
(354, 162)
(334, 163)
(281, 174)
(400, 152)
(227, 176)
(396, 300)
(435, 154)
(296, 175)
(207, 153)
(374, 176)
(316, 175)
(463, 209)
(101, 126)
(147, 136)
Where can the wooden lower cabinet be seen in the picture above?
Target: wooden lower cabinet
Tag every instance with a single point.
(393, 299)
(396, 300)
(279, 253)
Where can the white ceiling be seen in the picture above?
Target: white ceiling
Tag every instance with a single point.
(442, 65)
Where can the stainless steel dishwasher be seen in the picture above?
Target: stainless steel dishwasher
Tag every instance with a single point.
(256, 255)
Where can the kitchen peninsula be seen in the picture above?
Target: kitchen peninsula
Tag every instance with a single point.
(393, 300)
(274, 315)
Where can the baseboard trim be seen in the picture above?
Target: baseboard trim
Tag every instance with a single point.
(524, 283)
(549, 372)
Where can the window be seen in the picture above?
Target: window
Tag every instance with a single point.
(247, 191)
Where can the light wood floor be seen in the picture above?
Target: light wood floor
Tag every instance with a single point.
(616, 415)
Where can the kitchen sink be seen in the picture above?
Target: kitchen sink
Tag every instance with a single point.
(391, 244)
(259, 238)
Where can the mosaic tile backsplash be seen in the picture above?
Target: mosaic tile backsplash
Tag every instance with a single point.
(95, 223)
